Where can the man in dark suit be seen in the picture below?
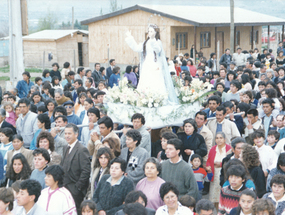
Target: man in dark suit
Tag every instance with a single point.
(76, 165)
(110, 68)
(96, 74)
(3, 123)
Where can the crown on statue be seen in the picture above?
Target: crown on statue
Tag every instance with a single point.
(153, 26)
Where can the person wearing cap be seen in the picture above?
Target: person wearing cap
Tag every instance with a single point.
(24, 85)
(239, 58)
(233, 66)
(71, 117)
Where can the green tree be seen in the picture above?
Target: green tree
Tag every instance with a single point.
(47, 22)
(114, 6)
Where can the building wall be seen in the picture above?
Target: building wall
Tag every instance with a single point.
(34, 51)
(107, 37)
(244, 38)
(62, 49)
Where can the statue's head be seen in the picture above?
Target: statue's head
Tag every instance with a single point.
(153, 30)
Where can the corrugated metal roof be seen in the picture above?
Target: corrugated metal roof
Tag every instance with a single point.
(200, 15)
(52, 35)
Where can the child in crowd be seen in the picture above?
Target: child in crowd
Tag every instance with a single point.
(88, 207)
(10, 113)
(230, 195)
(39, 81)
(55, 83)
(263, 206)
(200, 173)
(273, 138)
(246, 201)
(188, 201)
(13, 100)
(102, 86)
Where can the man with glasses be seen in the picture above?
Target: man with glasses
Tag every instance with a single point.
(71, 117)
(26, 124)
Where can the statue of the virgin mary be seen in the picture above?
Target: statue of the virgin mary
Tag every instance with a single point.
(154, 73)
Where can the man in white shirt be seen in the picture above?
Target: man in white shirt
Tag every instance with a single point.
(239, 58)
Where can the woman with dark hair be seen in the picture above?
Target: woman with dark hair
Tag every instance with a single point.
(88, 74)
(280, 85)
(245, 80)
(45, 140)
(79, 105)
(55, 71)
(101, 167)
(272, 85)
(136, 71)
(56, 199)
(88, 103)
(18, 147)
(169, 194)
(214, 163)
(192, 141)
(150, 185)
(50, 106)
(55, 83)
(131, 75)
(113, 144)
(103, 73)
(250, 158)
(45, 90)
(280, 59)
(113, 189)
(46, 76)
(37, 99)
(43, 125)
(280, 169)
(19, 169)
(231, 75)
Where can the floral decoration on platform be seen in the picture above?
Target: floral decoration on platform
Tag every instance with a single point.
(196, 92)
(127, 95)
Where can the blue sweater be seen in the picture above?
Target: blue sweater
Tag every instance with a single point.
(114, 80)
(39, 176)
(24, 88)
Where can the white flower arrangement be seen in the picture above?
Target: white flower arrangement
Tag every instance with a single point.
(127, 95)
(196, 91)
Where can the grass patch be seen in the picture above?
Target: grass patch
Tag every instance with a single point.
(4, 78)
(6, 69)
(34, 70)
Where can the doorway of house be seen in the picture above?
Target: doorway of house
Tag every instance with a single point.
(80, 54)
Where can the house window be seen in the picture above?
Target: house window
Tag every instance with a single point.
(255, 37)
(182, 40)
(205, 39)
(237, 38)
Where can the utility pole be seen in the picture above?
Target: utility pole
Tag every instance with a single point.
(232, 32)
(16, 42)
(72, 18)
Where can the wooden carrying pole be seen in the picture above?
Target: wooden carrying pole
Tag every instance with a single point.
(232, 32)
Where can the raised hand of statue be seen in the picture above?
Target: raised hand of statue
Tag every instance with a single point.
(128, 34)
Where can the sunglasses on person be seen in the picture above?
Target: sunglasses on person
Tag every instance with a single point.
(68, 106)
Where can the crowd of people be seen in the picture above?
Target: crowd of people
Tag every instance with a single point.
(62, 154)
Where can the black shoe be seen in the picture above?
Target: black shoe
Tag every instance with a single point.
(204, 192)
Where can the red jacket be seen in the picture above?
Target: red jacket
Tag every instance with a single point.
(211, 158)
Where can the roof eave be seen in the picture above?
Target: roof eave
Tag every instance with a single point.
(133, 8)
(240, 24)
